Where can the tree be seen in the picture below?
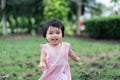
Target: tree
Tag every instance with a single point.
(3, 21)
(116, 6)
(79, 12)
(80, 7)
(21, 9)
(56, 9)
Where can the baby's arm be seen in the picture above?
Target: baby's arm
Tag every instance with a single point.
(42, 64)
(73, 55)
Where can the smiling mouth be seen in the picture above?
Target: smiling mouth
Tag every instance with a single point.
(54, 39)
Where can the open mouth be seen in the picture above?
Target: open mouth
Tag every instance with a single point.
(55, 39)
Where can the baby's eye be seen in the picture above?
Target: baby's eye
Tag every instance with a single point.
(50, 33)
(57, 32)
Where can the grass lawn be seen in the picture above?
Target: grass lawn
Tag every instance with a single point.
(19, 58)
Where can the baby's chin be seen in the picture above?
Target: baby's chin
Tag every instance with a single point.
(56, 43)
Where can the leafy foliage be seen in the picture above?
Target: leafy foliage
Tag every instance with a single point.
(56, 9)
(25, 10)
(104, 27)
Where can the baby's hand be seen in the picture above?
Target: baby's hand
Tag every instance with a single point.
(77, 59)
(42, 66)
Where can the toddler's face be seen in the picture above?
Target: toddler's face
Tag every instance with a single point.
(54, 36)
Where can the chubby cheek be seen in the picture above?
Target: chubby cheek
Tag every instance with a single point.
(60, 38)
(48, 38)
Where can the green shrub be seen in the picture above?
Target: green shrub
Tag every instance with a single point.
(55, 9)
(104, 27)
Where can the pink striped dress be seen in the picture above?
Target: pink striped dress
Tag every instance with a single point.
(57, 62)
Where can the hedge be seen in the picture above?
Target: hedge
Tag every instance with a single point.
(104, 27)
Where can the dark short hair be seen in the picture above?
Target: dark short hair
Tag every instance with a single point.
(53, 23)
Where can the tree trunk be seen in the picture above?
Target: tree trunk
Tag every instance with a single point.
(78, 32)
(4, 29)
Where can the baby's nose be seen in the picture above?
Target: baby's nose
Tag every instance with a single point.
(54, 35)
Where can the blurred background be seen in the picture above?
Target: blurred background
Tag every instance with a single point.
(29, 16)
(91, 26)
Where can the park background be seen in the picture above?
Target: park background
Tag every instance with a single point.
(91, 27)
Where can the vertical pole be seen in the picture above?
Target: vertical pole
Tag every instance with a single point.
(78, 2)
(4, 29)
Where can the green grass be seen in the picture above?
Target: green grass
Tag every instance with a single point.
(91, 47)
(19, 58)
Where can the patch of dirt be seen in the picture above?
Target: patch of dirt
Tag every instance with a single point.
(90, 59)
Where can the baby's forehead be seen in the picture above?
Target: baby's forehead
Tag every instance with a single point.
(54, 28)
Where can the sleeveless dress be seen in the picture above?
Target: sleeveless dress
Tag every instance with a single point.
(57, 62)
